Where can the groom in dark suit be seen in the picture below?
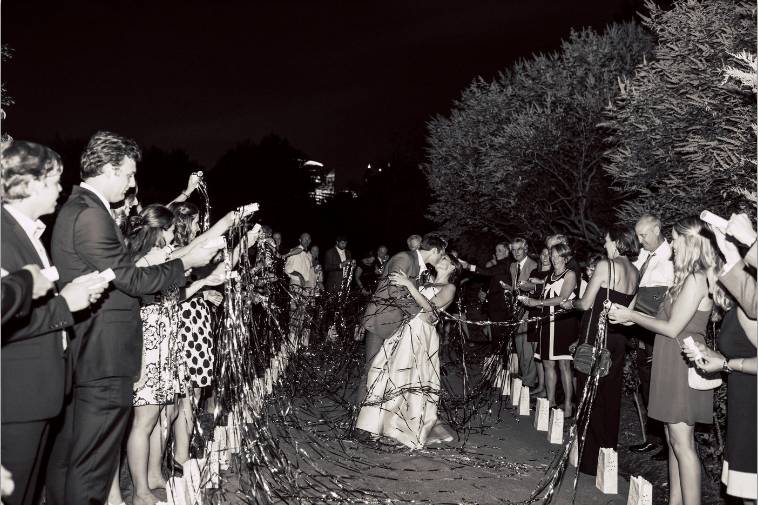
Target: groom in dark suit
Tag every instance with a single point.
(107, 350)
(392, 306)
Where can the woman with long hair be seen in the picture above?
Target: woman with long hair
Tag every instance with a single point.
(688, 306)
(614, 278)
(150, 234)
(194, 321)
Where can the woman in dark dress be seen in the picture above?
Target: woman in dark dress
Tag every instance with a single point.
(617, 279)
(737, 341)
(685, 313)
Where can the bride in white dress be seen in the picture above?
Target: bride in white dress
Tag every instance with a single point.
(404, 379)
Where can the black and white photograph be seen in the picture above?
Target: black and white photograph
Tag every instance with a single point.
(401, 252)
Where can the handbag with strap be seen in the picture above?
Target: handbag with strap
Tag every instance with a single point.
(585, 354)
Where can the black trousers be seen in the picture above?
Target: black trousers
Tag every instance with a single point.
(24, 446)
(88, 442)
(605, 418)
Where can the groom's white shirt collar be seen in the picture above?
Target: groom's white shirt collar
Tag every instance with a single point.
(421, 263)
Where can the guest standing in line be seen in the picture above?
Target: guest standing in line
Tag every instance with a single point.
(108, 344)
(34, 341)
(556, 333)
(685, 313)
(614, 278)
(656, 275)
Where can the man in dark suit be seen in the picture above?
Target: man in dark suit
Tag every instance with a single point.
(34, 340)
(521, 270)
(107, 350)
(392, 306)
(336, 261)
(19, 288)
(498, 270)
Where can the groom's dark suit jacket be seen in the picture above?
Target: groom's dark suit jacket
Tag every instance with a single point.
(33, 366)
(108, 336)
(391, 306)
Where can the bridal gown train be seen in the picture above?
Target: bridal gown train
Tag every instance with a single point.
(403, 386)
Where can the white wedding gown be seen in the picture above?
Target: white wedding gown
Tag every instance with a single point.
(403, 386)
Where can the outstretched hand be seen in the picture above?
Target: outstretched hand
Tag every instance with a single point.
(400, 279)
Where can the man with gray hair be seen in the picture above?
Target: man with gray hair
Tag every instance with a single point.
(656, 276)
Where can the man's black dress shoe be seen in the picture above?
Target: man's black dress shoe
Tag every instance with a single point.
(661, 455)
(645, 447)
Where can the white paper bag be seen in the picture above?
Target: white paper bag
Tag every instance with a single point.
(506, 383)
(607, 471)
(513, 363)
(219, 446)
(176, 491)
(523, 401)
(269, 382)
(515, 391)
(212, 470)
(542, 414)
(702, 382)
(233, 435)
(555, 432)
(192, 480)
(574, 454)
(640, 492)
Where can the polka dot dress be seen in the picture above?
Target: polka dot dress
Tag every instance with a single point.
(197, 340)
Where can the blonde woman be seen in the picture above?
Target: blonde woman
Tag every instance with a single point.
(685, 312)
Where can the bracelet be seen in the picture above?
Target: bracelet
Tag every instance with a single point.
(742, 365)
(185, 194)
(725, 366)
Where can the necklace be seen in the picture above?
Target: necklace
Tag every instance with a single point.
(553, 277)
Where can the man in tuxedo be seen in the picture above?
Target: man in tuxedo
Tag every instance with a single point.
(107, 349)
(336, 261)
(392, 306)
(33, 341)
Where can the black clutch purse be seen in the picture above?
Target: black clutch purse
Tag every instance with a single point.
(584, 357)
(649, 299)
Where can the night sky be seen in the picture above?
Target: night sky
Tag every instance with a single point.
(346, 82)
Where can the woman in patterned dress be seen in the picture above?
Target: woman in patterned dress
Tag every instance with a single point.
(155, 391)
(194, 322)
(557, 334)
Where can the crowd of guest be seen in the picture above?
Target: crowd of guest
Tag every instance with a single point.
(661, 291)
(113, 337)
(114, 345)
